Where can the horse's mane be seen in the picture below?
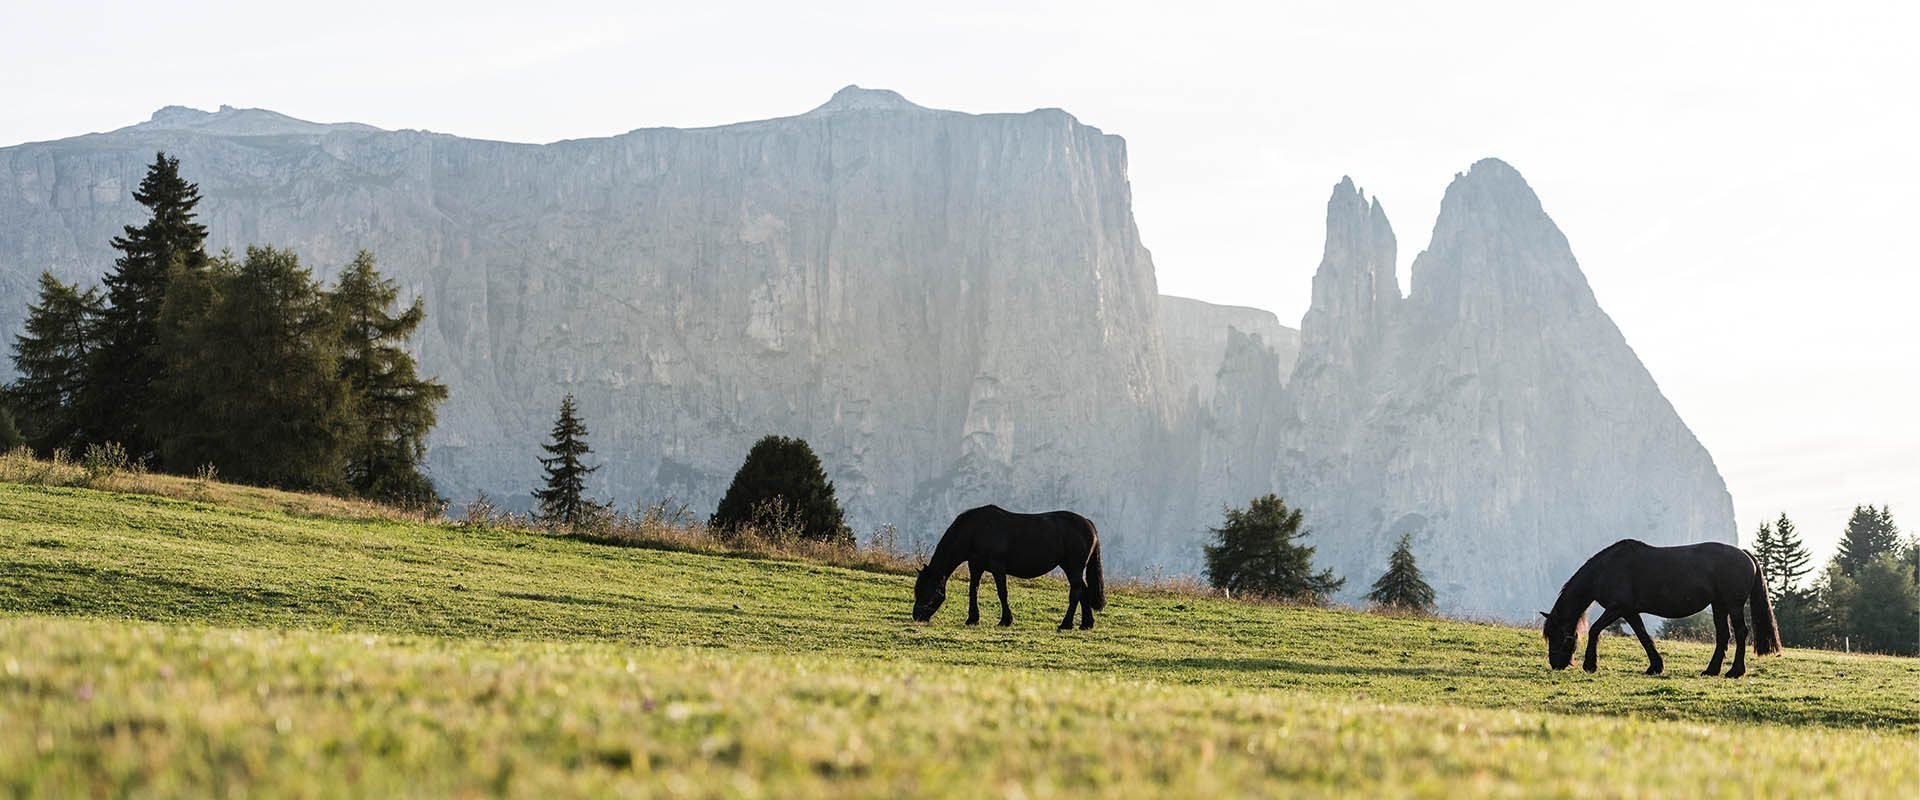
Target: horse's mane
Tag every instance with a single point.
(1583, 575)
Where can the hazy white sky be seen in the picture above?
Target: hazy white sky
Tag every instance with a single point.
(1738, 181)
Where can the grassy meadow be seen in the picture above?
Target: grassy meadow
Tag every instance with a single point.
(221, 643)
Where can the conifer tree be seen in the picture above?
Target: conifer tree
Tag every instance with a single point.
(1766, 549)
(1790, 561)
(1402, 586)
(54, 357)
(563, 502)
(257, 377)
(1255, 552)
(128, 366)
(783, 470)
(393, 407)
(1870, 534)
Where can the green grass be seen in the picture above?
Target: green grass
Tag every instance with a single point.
(177, 647)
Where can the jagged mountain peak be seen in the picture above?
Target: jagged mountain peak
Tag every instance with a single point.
(1494, 246)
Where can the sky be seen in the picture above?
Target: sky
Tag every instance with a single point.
(1738, 181)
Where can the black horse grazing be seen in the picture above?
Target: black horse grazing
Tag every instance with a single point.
(992, 539)
(1631, 577)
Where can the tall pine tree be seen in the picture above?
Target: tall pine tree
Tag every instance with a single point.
(54, 358)
(563, 502)
(1870, 534)
(1255, 552)
(1791, 561)
(128, 366)
(257, 377)
(393, 407)
(1402, 586)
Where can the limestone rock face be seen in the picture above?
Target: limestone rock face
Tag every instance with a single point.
(953, 309)
(1496, 413)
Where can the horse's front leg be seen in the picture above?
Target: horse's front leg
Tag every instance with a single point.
(1739, 616)
(1592, 661)
(1000, 583)
(1719, 641)
(973, 594)
(1654, 664)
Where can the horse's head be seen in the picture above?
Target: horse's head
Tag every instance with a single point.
(928, 593)
(1563, 635)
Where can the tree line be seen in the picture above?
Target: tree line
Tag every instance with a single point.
(244, 366)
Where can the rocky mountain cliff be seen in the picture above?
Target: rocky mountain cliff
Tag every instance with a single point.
(1495, 413)
(1196, 335)
(954, 309)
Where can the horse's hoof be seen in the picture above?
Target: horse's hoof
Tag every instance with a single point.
(1086, 626)
(1006, 623)
(1655, 670)
(973, 622)
(1066, 627)
(1590, 667)
(1710, 671)
(1736, 672)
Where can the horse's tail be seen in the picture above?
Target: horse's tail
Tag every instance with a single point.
(1096, 581)
(1766, 632)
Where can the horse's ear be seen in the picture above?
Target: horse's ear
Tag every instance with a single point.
(1545, 614)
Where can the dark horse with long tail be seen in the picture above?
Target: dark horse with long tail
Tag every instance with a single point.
(993, 539)
(1632, 577)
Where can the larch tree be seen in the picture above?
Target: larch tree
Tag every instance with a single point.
(258, 378)
(393, 408)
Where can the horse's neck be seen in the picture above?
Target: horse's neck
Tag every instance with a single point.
(946, 558)
(1576, 597)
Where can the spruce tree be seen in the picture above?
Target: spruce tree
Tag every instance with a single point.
(563, 502)
(128, 366)
(257, 377)
(1870, 534)
(1766, 549)
(1401, 586)
(1790, 561)
(1794, 607)
(54, 358)
(783, 472)
(1255, 552)
(393, 407)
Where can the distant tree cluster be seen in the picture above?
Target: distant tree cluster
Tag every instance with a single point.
(1866, 599)
(246, 364)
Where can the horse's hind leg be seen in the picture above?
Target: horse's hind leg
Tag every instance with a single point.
(1086, 611)
(1719, 641)
(1654, 664)
(1075, 587)
(973, 593)
(1739, 615)
(1006, 611)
